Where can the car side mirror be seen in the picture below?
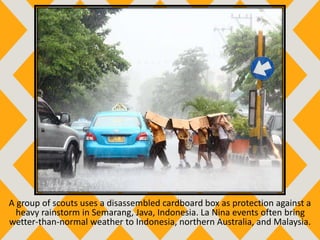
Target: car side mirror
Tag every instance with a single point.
(64, 117)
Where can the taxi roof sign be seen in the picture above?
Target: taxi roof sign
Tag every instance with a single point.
(119, 107)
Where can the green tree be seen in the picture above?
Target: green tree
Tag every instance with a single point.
(145, 98)
(201, 106)
(165, 95)
(186, 82)
(83, 102)
(70, 54)
(98, 18)
(191, 67)
(275, 51)
(240, 51)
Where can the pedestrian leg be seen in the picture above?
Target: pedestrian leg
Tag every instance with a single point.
(197, 165)
(187, 164)
(163, 158)
(152, 157)
(206, 158)
(209, 154)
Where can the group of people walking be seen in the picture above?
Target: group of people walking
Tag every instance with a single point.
(212, 139)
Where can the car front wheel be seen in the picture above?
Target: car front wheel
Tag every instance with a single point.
(68, 166)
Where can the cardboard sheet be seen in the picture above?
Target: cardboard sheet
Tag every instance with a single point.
(198, 122)
(178, 123)
(156, 118)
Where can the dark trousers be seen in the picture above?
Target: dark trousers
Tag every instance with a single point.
(223, 150)
(157, 150)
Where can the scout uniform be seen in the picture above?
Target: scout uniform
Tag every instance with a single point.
(158, 146)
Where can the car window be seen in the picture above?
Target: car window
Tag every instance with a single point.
(45, 114)
(275, 123)
(278, 122)
(117, 121)
(267, 118)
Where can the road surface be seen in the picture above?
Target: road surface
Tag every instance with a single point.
(133, 178)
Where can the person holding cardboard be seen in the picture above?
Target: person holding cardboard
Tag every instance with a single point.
(213, 137)
(158, 147)
(182, 135)
(213, 140)
(202, 150)
(222, 151)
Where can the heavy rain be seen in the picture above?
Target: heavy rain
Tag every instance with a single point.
(177, 62)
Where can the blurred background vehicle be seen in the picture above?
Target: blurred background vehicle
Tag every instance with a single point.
(274, 126)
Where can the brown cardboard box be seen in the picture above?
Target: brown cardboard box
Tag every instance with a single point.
(178, 123)
(199, 122)
(213, 116)
(156, 118)
(216, 114)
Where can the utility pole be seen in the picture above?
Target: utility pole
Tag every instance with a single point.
(245, 17)
(221, 30)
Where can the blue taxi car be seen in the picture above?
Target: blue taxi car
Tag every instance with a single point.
(117, 137)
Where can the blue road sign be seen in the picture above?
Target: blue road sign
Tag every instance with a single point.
(262, 68)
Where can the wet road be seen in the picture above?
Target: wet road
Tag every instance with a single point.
(133, 178)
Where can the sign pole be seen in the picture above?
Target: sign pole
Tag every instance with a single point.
(261, 68)
(260, 96)
(257, 132)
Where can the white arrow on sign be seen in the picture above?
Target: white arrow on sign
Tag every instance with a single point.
(262, 68)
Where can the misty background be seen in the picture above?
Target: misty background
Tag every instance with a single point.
(173, 56)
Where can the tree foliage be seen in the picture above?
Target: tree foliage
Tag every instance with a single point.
(191, 66)
(240, 51)
(186, 82)
(71, 53)
(97, 18)
(85, 103)
(275, 52)
(201, 106)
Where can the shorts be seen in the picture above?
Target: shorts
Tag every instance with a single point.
(203, 148)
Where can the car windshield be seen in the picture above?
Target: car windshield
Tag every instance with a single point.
(117, 121)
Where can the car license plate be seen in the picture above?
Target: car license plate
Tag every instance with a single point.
(116, 139)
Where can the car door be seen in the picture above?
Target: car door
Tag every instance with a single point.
(51, 134)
